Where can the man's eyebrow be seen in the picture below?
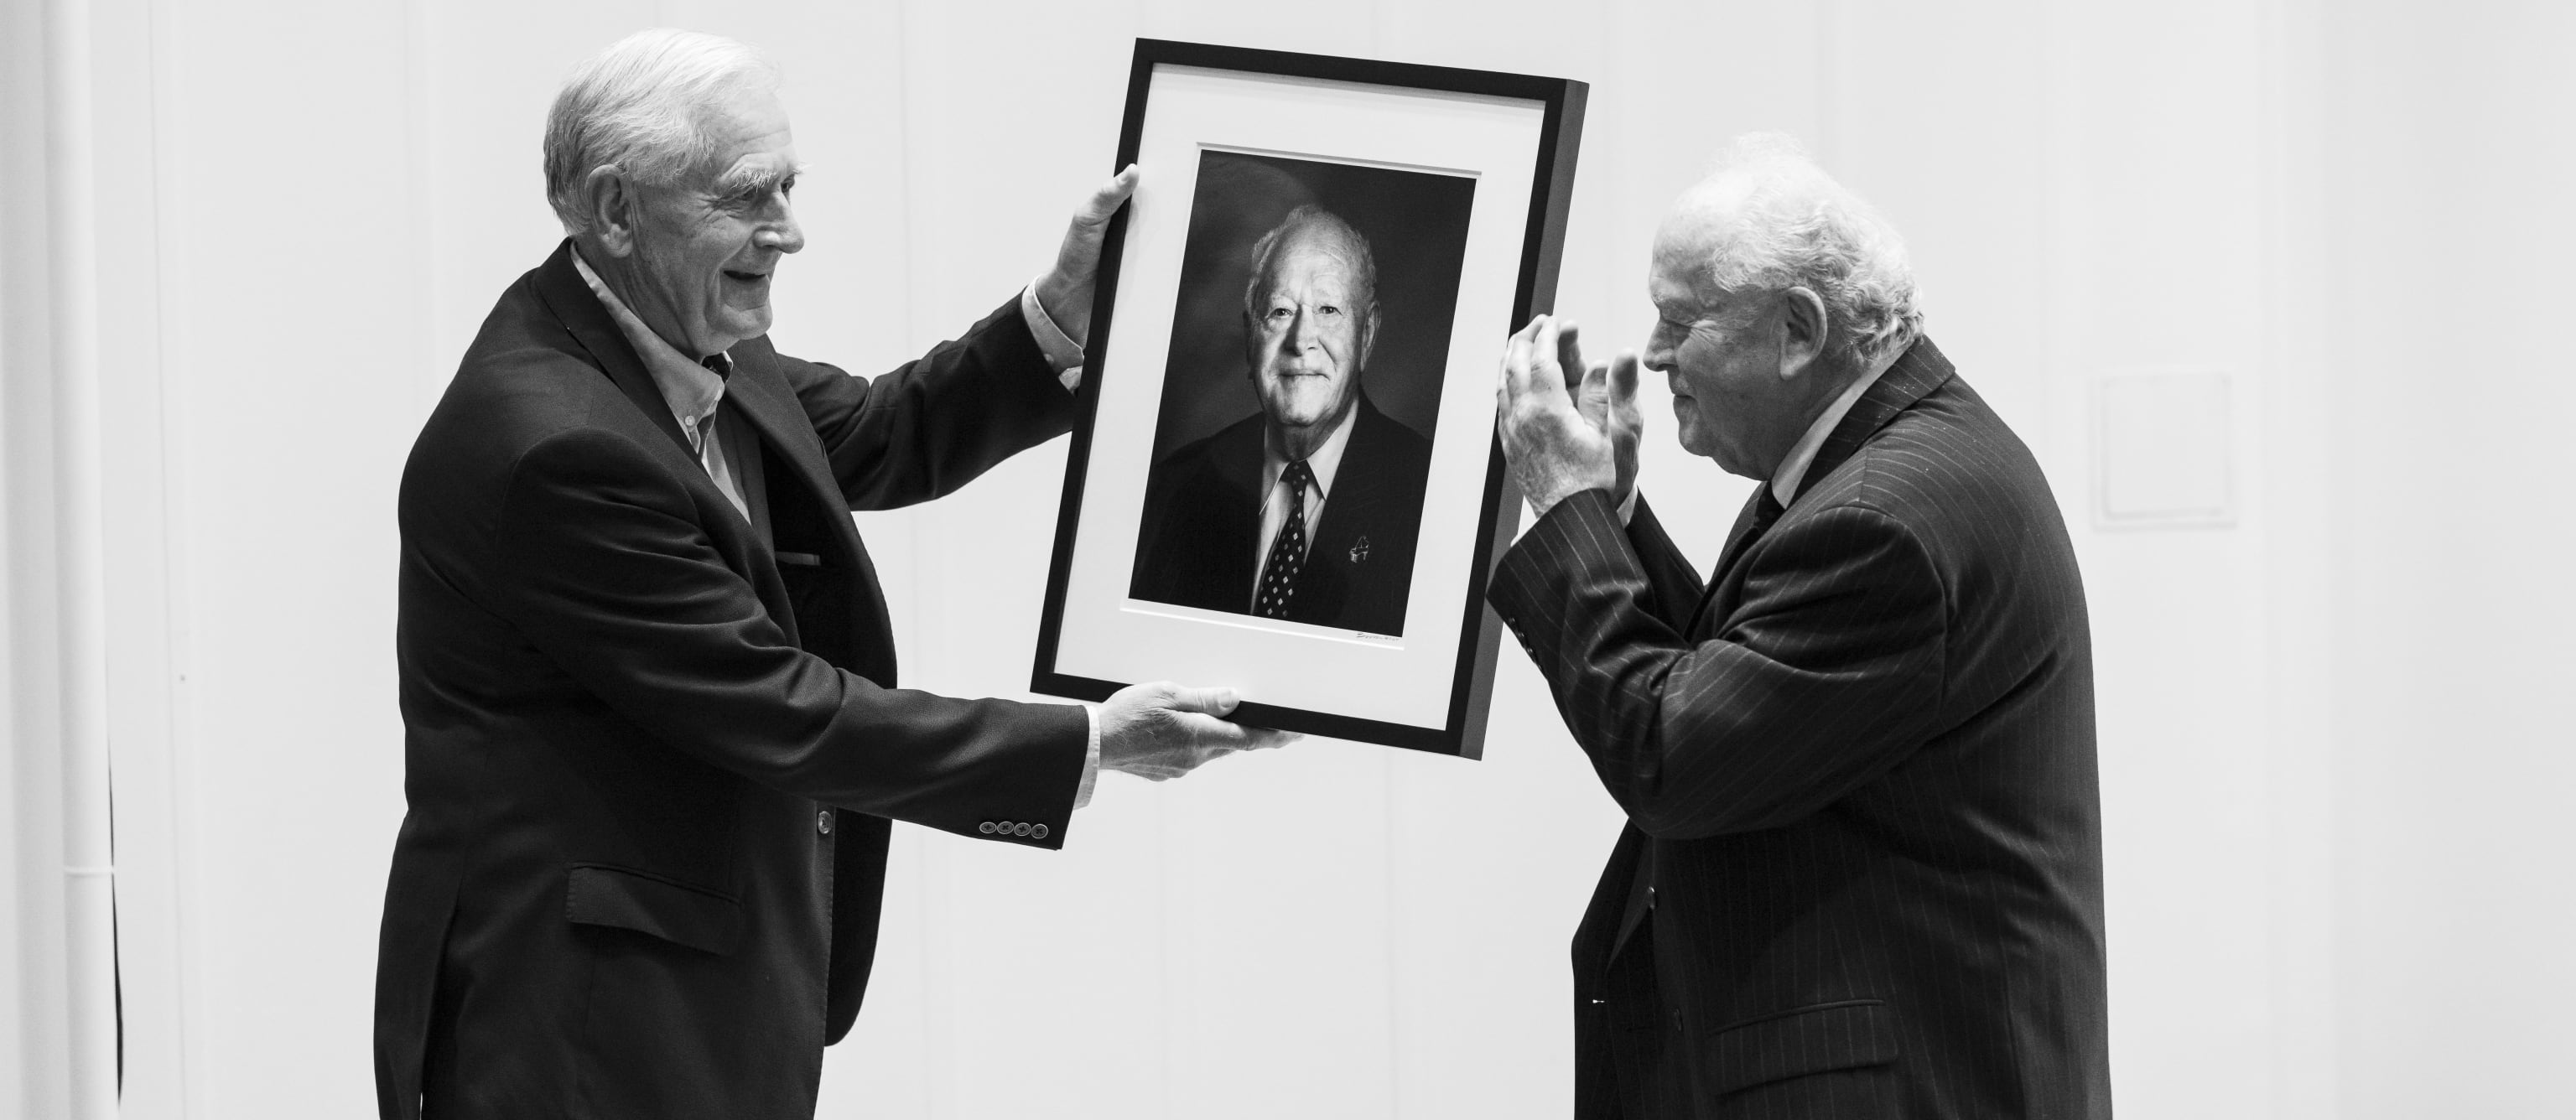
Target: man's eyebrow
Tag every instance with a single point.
(756, 178)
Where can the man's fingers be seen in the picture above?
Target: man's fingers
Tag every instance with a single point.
(1568, 350)
(1206, 732)
(1544, 370)
(1264, 738)
(1111, 195)
(1623, 390)
(1623, 378)
(1516, 360)
(1592, 396)
(1213, 701)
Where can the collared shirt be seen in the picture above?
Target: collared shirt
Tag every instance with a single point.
(693, 392)
(689, 388)
(1325, 462)
(1793, 470)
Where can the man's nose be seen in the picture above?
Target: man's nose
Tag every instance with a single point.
(1302, 334)
(1658, 356)
(781, 232)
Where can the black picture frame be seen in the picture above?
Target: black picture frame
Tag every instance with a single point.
(1470, 663)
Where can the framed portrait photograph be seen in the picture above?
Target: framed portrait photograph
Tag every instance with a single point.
(1285, 478)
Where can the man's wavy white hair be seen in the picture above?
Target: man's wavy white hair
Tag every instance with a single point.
(641, 106)
(1783, 223)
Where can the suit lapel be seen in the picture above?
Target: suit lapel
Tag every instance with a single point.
(1918, 371)
(564, 292)
(1358, 487)
(1921, 369)
(1237, 513)
(770, 407)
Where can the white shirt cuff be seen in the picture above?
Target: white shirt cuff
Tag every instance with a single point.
(1628, 506)
(1061, 351)
(1090, 760)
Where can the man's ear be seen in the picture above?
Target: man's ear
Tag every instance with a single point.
(1368, 333)
(612, 206)
(1802, 331)
(1251, 347)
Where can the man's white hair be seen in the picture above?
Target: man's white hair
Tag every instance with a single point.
(1773, 220)
(641, 106)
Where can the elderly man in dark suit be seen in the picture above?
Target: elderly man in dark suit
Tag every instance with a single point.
(654, 743)
(1308, 509)
(1862, 873)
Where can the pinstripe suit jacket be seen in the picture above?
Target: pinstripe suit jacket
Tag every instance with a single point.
(1860, 779)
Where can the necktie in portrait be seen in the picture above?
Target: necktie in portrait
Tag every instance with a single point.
(1288, 552)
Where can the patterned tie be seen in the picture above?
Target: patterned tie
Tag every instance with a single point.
(1288, 552)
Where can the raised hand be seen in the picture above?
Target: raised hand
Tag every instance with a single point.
(1066, 290)
(1161, 730)
(1559, 442)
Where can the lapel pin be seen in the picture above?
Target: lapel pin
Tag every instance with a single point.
(1359, 549)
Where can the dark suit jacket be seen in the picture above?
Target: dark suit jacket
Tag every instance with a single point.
(1200, 542)
(651, 758)
(1861, 781)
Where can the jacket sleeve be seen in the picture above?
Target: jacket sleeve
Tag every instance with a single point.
(935, 423)
(605, 569)
(1827, 673)
(1674, 587)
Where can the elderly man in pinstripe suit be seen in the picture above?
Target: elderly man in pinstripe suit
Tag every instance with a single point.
(1862, 874)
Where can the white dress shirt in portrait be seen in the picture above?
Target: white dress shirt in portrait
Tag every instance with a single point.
(1325, 462)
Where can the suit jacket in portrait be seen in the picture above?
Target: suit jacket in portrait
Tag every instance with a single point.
(652, 747)
(1200, 543)
(1858, 767)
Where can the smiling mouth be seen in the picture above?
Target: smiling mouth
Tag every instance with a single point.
(746, 277)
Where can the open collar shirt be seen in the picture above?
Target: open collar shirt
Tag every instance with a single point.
(694, 393)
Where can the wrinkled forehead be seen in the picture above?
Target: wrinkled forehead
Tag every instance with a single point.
(1312, 255)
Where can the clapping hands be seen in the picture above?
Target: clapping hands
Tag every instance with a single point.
(1562, 442)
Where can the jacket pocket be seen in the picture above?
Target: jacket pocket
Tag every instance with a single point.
(1827, 1036)
(600, 895)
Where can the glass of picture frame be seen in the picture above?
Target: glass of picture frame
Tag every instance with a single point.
(1284, 477)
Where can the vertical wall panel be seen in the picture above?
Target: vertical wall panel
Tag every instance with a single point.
(34, 1056)
(2451, 170)
(135, 469)
(2154, 258)
(287, 364)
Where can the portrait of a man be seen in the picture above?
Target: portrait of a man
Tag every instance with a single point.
(1305, 503)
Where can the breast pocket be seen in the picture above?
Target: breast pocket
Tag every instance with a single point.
(1850, 1034)
(624, 898)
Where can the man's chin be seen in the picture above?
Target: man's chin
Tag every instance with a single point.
(742, 324)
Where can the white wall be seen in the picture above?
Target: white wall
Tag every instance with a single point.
(2455, 909)
(2328, 771)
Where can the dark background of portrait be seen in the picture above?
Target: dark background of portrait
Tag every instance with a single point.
(1416, 226)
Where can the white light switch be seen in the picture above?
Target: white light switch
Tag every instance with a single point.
(2162, 443)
